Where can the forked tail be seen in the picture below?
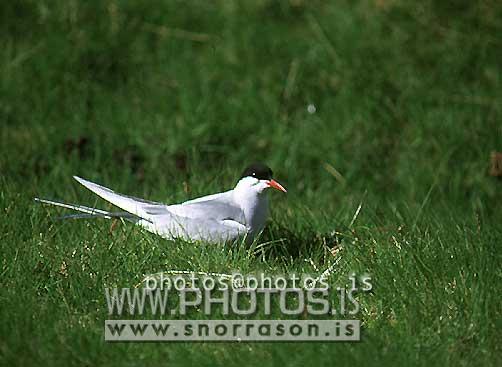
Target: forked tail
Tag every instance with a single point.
(88, 212)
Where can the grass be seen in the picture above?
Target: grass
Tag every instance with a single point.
(169, 101)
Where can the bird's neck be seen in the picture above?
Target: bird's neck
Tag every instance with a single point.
(254, 206)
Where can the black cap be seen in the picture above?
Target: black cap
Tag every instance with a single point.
(259, 171)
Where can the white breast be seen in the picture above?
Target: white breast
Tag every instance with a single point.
(253, 201)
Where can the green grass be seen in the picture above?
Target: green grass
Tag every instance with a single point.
(170, 100)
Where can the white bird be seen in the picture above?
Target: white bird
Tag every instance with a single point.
(226, 216)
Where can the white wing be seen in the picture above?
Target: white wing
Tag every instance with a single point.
(217, 206)
(139, 207)
(212, 218)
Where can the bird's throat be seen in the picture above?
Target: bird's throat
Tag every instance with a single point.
(254, 206)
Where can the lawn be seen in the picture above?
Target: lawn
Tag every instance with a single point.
(378, 116)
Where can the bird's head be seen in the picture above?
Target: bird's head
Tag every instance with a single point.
(257, 177)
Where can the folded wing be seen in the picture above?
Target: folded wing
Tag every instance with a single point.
(213, 218)
(218, 206)
(139, 207)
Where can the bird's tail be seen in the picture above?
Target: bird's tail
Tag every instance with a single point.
(87, 212)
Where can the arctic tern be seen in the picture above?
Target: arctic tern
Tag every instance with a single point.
(227, 216)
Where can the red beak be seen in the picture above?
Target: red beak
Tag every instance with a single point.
(276, 185)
